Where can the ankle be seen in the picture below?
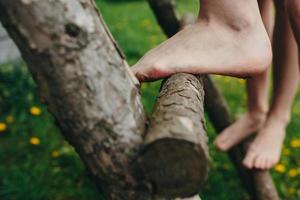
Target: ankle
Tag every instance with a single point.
(258, 116)
(230, 15)
(279, 117)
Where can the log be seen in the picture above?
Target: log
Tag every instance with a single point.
(259, 184)
(175, 157)
(85, 83)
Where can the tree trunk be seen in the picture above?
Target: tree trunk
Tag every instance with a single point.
(86, 84)
(258, 183)
(84, 80)
(175, 158)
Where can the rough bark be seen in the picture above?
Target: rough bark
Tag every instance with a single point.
(175, 158)
(259, 184)
(166, 15)
(85, 83)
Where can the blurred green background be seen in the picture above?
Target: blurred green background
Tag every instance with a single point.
(36, 162)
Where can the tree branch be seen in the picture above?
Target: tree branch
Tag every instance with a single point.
(85, 83)
(175, 158)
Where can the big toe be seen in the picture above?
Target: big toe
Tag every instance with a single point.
(250, 159)
(221, 142)
(139, 72)
(260, 162)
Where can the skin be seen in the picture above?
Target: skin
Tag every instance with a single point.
(264, 152)
(220, 42)
(293, 8)
(257, 90)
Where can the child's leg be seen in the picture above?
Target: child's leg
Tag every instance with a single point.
(228, 39)
(257, 90)
(265, 150)
(293, 8)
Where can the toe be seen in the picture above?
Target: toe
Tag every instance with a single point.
(273, 162)
(259, 162)
(266, 164)
(249, 159)
(221, 142)
(269, 164)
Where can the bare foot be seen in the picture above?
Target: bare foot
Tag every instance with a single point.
(241, 129)
(265, 150)
(227, 45)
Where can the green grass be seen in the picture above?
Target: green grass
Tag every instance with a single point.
(52, 170)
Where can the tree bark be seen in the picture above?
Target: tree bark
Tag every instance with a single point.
(259, 184)
(84, 80)
(166, 15)
(175, 158)
(86, 84)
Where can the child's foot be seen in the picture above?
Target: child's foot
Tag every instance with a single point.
(236, 46)
(241, 129)
(265, 150)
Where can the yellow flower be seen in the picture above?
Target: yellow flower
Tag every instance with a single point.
(291, 190)
(35, 110)
(242, 81)
(9, 119)
(34, 141)
(280, 168)
(3, 127)
(286, 151)
(55, 154)
(293, 173)
(295, 143)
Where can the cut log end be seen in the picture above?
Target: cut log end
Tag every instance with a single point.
(175, 168)
(175, 155)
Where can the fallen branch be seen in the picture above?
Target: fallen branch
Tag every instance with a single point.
(175, 158)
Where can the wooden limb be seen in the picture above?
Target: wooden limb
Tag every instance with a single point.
(166, 15)
(259, 184)
(175, 157)
(84, 80)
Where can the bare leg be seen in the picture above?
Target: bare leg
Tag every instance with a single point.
(265, 150)
(293, 8)
(257, 90)
(228, 39)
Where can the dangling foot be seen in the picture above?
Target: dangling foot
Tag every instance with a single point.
(222, 42)
(241, 129)
(265, 150)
